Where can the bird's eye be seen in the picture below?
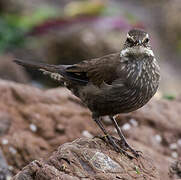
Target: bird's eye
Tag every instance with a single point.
(129, 40)
(146, 40)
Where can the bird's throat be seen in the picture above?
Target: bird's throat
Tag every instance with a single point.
(136, 51)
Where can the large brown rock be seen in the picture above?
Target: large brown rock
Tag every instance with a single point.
(34, 123)
(88, 158)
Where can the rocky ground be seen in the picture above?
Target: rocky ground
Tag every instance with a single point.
(88, 159)
(34, 123)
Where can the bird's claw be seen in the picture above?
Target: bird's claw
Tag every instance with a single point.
(119, 146)
(136, 153)
(111, 141)
(126, 146)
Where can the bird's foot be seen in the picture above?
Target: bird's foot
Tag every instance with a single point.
(135, 152)
(124, 145)
(113, 143)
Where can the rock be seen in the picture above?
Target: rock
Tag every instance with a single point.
(39, 121)
(5, 122)
(35, 122)
(22, 147)
(88, 159)
(4, 170)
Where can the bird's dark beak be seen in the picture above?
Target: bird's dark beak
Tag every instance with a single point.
(138, 42)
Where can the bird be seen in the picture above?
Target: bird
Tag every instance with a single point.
(116, 83)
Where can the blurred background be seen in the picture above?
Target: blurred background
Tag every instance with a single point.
(67, 31)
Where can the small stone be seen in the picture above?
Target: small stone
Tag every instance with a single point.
(174, 154)
(173, 146)
(126, 127)
(4, 141)
(133, 122)
(87, 134)
(12, 150)
(158, 138)
(107, 120)
(33, 127)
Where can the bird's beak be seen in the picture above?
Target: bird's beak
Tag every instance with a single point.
(139, 42)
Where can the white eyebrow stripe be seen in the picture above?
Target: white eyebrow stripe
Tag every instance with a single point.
(131, 37)
(147, 36)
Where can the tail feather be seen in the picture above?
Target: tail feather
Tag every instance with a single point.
(56, 72)
(37, 65)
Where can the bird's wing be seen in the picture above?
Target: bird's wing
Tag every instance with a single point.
(97, 70)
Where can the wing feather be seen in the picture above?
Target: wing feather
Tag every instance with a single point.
(97, 70)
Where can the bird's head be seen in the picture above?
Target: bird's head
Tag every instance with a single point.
(137, 42)
(137, 37)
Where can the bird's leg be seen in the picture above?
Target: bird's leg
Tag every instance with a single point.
(110, 138)
(111, 141)
(123, 139)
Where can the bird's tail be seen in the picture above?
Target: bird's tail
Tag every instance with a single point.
(56, 72)
(38, 66)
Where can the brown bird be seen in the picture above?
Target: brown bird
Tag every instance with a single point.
(116, 83)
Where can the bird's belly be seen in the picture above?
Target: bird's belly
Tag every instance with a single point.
(116, 101)
(124, 105)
